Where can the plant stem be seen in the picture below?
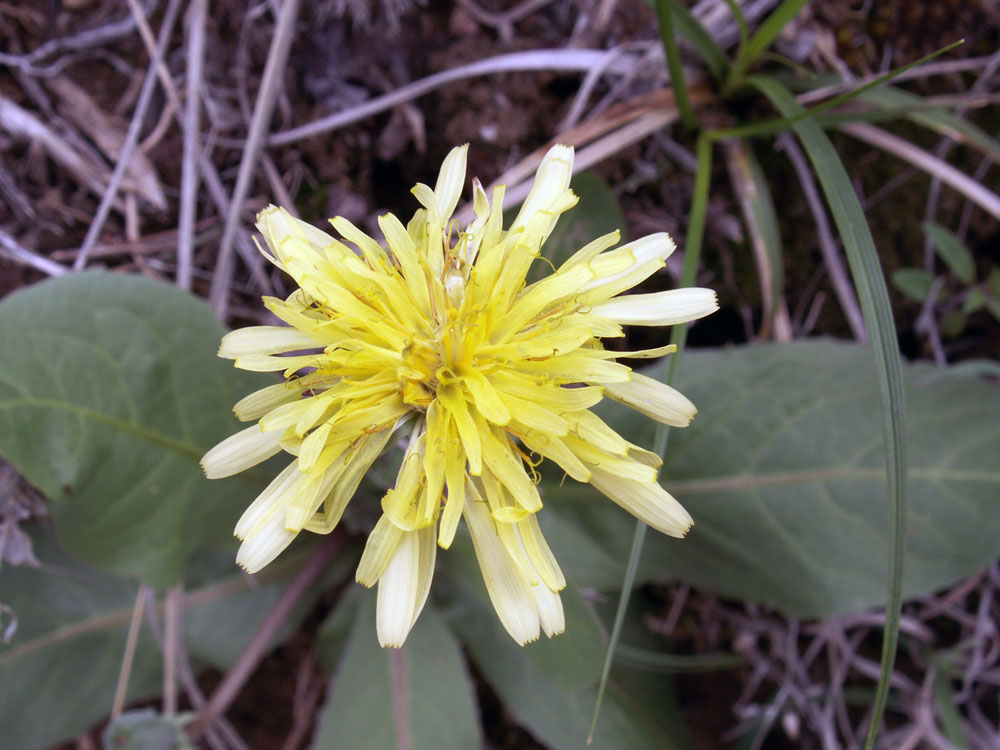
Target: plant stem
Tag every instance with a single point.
(129, 656)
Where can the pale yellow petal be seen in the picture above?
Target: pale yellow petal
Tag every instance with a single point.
(450, 181)
(512, 597)
(647, 501)
(379, 550)
(259, 403)
(660, 308)
(239, 452)
(654, 399)
(549, 188)
(264, 340)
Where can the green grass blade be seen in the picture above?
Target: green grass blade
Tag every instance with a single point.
(673, 55)
(936, 118)
(638, 538)
(754, 196)
(775, 126)
(762, 39)
(950, 718)
(704, 45)
(741, 21)
(874, 297)
(678, 337)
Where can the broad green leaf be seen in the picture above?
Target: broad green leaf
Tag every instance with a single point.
(915, 283)
(419, 696)
(336, 628)
(783, 473)
(597, 214)
(952, 251)
(532, 685)
(59, 671)
(110, 392)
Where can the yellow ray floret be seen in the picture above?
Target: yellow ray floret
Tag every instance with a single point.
(435, 340)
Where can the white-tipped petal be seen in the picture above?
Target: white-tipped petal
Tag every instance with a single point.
(654, 399)
(660, 308)
(512, 597)
(267, 541)
(549, 191)
(379, 551)
(264, 340)
(403, 587)
(288, 236)
(550, 610)
(644, 255)
(239, 452)
(647, 501)
(397, 590)
(270, 501)
(451, 179)
(261, 402)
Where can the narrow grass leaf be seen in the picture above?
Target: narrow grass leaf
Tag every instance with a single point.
(673, 55)
(762, 39)
(874, 297)
(934, 117)
(678, 336)
(754, 196)
(704, 45)
(779, 125)
(951, 720)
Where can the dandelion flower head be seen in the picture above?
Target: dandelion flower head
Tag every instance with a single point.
(434, 340)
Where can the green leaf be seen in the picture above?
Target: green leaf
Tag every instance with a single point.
(869, 281)
(783, 474)
(533, 685)
(333, 634)
(704, 44)
(678, 83)
(951, 719)
(597, 213)
(993, 281)
(753, 193)
(993, 305)
(419, 696)
(59, 671)
(974, 301)
(762, 39)
(110, 392)
(915, 283)
(897, 101)
(953, 324)
(952, 251)
(144, 729)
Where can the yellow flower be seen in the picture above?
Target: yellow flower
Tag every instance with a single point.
(434, 340)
